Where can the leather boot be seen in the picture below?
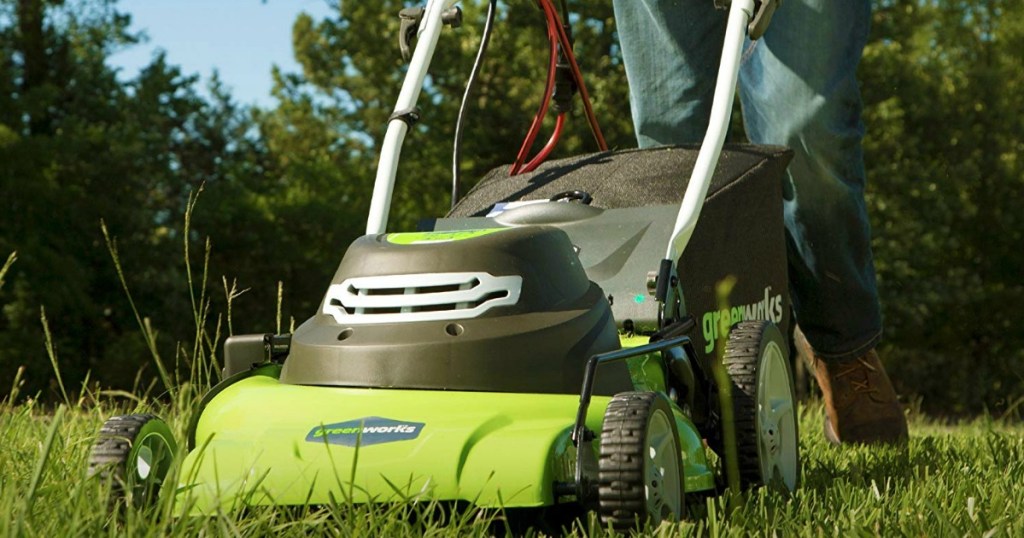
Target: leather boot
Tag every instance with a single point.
(860, 403)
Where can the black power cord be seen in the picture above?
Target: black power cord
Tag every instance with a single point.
(470, 84)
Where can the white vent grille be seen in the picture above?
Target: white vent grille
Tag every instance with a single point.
(419, 297)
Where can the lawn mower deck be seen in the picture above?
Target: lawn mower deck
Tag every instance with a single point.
(263, 442)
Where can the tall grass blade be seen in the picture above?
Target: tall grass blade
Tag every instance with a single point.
(280, 297)
(52, 353)
(201, 312)
(7, 265)
(147, 332)
(37, 474)
(12, 396)
(230, 294)
(193, 197)
(732, 471)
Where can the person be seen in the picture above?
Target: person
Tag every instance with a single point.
(798, 88)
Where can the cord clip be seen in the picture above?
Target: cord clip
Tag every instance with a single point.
(410, 116)
(411, 18)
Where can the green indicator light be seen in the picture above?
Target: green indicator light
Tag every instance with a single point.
(639, 299)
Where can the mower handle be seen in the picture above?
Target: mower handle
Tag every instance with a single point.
(405, 114)
(740, 13)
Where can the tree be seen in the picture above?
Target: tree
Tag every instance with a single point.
(79, 147)
(942, 82)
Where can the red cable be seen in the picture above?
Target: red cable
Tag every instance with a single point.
(549, 8)
(548, 148)
(557, 36)
(538, 120)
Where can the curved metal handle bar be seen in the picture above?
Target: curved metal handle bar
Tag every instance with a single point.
(391, 148)
(580, 436)
(721, 111)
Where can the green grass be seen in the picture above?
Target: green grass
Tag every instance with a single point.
(952, 480)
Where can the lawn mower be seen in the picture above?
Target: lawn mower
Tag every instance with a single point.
(531, 349)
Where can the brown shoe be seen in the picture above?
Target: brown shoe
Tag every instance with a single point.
(860, 403)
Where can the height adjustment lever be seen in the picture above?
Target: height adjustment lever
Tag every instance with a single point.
(762, 16)
(763, 11)
(411, 18)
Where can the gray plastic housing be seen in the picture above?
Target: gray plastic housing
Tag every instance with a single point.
(617, 247)
(242, 352)
(538, 345)
(582, 267)
(623, 234)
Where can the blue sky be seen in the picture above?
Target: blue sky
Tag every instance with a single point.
(241, 39)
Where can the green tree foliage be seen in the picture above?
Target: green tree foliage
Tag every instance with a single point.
(79, 146)
(942, 81)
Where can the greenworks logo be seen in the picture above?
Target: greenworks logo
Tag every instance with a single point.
(365, 431)
(718, 322)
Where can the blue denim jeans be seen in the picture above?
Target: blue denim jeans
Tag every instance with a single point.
(798, 88)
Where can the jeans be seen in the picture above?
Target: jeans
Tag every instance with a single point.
(798, 88)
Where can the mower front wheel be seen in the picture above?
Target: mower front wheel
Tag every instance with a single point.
(134, 453)
(640, 467)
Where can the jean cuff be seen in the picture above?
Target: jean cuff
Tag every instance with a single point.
(860, 347)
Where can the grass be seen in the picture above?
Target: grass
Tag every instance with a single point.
(952, 480)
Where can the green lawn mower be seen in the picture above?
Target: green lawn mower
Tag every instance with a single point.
(531, 349)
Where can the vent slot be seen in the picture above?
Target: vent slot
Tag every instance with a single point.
(381, 291)
(419, 297)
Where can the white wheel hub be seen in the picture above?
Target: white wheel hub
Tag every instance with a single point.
(776, 420)
(662, 484)
(144, 462)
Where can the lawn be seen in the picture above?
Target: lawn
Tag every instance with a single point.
(951, 480)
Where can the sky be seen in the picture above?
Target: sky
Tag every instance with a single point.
(241, 39)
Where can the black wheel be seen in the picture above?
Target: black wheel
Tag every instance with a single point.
(640, 474)
(764, 406)
(134, 453)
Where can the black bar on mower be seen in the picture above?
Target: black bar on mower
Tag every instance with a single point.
(663, 281)
(675, 329)
(580, 434)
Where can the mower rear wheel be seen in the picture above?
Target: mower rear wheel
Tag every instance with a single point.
(640, 476)
(134, 453)
(764, 406)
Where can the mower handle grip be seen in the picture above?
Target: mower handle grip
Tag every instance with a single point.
(762, 17)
